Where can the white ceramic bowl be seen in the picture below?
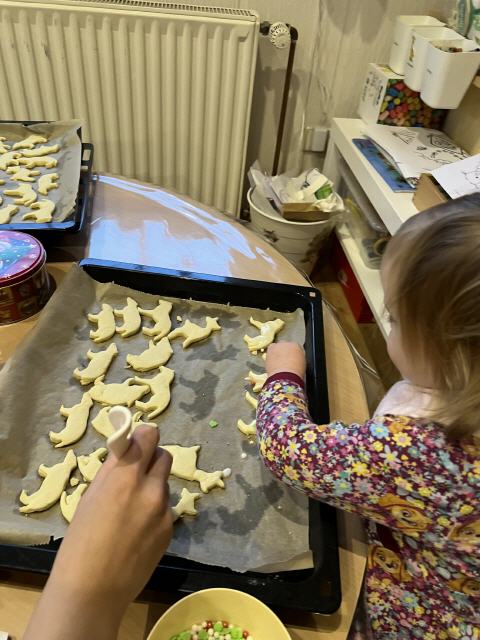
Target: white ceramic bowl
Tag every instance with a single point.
(220, 604)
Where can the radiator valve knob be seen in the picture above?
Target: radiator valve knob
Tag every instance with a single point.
(279, 35)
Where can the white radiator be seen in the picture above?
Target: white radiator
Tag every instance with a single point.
(164, 89)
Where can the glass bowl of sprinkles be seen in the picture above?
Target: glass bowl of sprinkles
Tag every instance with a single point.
(219, 614)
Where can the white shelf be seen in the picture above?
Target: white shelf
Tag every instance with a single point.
(393, 208)
(369, 279)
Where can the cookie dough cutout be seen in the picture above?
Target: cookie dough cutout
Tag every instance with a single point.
(257, 380)
(8, 159)
(122, 393)
(155, 356)
(98, 365)
(160, 388)
(41, 151)
(186, 505)
(22, 174)
(43, 211)
(90, 465)
(45, 161)
(47, 182)
(55, 479)
(161, 317)
(184, 466)
(26, 195)
(193, 332)
(251, 400)
(106, 324)
(247, 429)
(69, 501)
(29, 142)
(132, 320)
(77, 419)
(4, 147)
(101, 423)
(7, 212)
(268, 331)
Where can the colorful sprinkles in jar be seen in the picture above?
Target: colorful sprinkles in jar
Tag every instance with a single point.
(208, 630)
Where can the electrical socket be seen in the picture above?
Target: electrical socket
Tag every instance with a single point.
(316, 139)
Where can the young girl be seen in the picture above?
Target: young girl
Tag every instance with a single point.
(414, 469)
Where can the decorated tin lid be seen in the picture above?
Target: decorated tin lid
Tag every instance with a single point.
(20, 256)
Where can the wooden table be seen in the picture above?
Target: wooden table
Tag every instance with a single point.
(121, 209)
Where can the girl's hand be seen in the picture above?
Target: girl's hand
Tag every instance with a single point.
(120, 531)
(286, 356)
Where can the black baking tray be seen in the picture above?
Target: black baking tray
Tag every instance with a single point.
(315, 590)
(77, 218)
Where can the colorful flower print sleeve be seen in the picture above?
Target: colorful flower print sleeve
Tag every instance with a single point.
(420, 491)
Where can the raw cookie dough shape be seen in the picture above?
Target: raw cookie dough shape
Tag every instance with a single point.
(22, 174)
(160, 388)
(155, 356)
(186, 505)
(102, 424)
(247, 429)
(55, 480)
(184, 466)
(268, 331)
(47, 182)
(7, 212)
(30, 142)
(90, 465)
(45, 161)
(106, 324)
(77, 419)
(194, 332)
(4, 147)
(69, 501)
(26, 195)
(9, 158)
(98, 365)
(251, 400)
(43, 211)
(161, 317)
(132, 320)
(41, 151)
(122, 393)
(257, 379)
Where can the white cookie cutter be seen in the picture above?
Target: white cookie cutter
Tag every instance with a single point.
(121, 420)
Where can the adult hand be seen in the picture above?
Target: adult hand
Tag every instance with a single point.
(121, 529)
(286, 357)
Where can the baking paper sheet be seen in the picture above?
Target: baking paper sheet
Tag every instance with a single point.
(68, 168)
(255, 521)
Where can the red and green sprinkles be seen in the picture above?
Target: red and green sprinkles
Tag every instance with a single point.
(209, 630)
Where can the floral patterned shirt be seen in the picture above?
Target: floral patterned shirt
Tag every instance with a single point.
(419, 491)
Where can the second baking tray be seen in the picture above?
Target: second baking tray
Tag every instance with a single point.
(313, 590)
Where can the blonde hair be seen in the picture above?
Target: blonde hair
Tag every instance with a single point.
(434, 270)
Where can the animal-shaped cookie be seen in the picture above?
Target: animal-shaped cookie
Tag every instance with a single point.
(22, 174)
(257, 380)
(132, 320)
(193, 332)
(184, 466)
(98, 365)
(7, 212)
(251, 400)
(44, 161)
(47, 182)
(69, 501)
(160, 388)
(26, 195)
(106, 324)
(43, 211)
(3, 147)
(186, 505)
(155, 356)
(55, 480)
(268, 331)
(41, 151)
(30, 141)
(102, 424)
(77, 419)
(249, 429)
(123, 393)
(161, 317)
(8, 159)
(90, 465)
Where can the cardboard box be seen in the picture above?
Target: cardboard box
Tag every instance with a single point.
(303, 212)
(344, 274)
(428, 193)
(386, 99)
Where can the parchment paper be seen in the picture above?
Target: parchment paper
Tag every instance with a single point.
(255, 521)
(63, 133)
